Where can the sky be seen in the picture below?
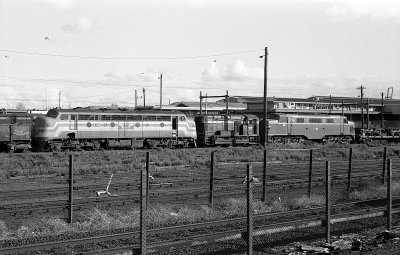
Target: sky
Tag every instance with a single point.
(77, 53)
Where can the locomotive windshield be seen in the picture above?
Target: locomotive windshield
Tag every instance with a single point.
(52, 113)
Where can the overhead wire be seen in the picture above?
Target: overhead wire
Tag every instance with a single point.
(128, 58)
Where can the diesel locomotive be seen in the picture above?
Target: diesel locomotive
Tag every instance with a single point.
(93, 129)
(284, 128)
(227, 130)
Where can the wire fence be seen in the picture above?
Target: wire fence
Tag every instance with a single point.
(255, 182)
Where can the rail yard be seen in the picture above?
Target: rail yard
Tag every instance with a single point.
(108, 182)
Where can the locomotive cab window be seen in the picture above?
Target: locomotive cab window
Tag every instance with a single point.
(345, 121)
(182, 118)
(64, 117)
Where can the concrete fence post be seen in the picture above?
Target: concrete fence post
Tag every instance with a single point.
(249, 209)
(328, 202)
(349, 170)
(212, 168)
(384, 164)
(147, 178)
(310, 173)
(71, 189)
(389, 195)
(143, 205)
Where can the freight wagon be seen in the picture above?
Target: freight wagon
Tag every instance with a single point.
(15, 132)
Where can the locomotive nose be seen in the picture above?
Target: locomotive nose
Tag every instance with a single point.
(39, 128)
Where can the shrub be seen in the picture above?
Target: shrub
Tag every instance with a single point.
(307, 202)
(3, 230)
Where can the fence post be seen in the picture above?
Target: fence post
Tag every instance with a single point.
(349, 170)
(384, 164)
(264, 187)
(148, 177)
(310, 173)
(249, 209)
(328, 202)
(71, 189)
(143, 206)
(389, 195)
(212, 167)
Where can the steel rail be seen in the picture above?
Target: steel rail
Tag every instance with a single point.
(201, 239)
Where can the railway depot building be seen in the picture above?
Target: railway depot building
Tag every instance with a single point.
(368, 114)
(371, 113)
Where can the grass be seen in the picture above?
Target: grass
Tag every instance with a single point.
(158, 216)
(369, 191)
(107, 162)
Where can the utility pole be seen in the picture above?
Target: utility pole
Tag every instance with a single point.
(7, 74)
(59, 99)
(144, 98)
(201, 99)
(361, 88)
(382, 111)
(227, 105)
(367, 113)
(265, 131)
(160, 91)
(136, 99)
(46, 38)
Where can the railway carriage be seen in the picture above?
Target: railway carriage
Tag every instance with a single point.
(298, 128)
(91, 129)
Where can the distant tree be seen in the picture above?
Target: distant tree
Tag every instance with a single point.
(20, 106)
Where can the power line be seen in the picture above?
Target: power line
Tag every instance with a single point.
(127, 58)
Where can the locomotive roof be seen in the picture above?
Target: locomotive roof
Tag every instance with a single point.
(309, 115)
(250, 116)
(112, 111)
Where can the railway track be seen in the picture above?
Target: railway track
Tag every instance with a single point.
(19, 203)
(162, 239)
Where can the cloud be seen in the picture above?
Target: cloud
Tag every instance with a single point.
(61, 4)
(365, 8)
(118, 76)
(236, 71)
(83, 25)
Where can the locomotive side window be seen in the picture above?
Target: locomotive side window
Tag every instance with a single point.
(149, 118)
(182, 118)
(329, 120)
(86, 117)
(64, 117)
(135, 117)
(345, 121)
(164, 118)
(299, 120)
(313, 120)
(106, 117)
(119, 117)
